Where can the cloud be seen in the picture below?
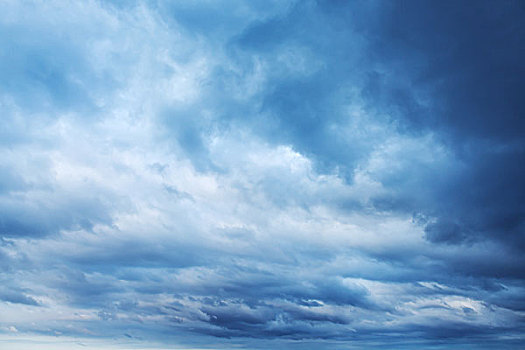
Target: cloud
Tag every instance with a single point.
(306, 174)
(17, 297)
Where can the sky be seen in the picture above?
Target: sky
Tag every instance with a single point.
(263, 174)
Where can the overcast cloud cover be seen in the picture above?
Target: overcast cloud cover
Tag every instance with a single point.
(262, 174)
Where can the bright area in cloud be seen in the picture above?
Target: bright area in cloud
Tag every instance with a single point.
(266, 174)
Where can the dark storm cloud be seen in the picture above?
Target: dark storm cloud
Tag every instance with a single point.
(459, 64)
(469, 58)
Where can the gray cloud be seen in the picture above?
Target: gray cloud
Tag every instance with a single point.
(307, 175)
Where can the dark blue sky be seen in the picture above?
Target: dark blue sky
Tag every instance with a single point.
(262, 174)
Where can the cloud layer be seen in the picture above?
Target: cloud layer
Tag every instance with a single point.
(263, 174)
